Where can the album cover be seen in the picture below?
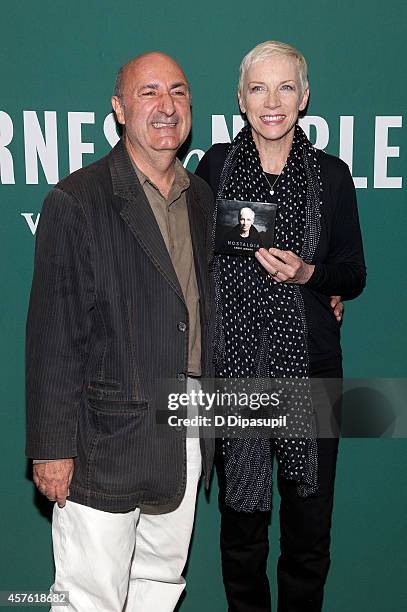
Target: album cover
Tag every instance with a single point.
(243, 227)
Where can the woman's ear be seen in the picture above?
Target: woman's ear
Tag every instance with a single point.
(241, 104)
(304, 99)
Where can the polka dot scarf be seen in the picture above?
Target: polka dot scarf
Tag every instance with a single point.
(261, 329)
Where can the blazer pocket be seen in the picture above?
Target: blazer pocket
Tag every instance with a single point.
(103, 388)
(116, 406)
(117, 433)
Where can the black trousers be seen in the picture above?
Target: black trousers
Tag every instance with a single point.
(305, 525)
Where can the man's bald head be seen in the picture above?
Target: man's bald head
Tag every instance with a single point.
(135, 64)
(153, 104)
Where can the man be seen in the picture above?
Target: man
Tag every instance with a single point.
(120, 301)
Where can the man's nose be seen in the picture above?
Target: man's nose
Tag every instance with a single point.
(167, 105)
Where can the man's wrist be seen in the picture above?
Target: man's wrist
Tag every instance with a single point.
(309, 272)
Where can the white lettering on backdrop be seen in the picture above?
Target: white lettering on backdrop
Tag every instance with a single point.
(40, 131)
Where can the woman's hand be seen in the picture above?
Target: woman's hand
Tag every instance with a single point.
(285, 266)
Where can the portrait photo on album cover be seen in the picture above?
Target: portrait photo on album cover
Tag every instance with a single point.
(243, 227)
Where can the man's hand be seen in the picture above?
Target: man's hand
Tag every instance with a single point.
(53, 479)
(337, 306)
(284, 266)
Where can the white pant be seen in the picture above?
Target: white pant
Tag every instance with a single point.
(129, 562)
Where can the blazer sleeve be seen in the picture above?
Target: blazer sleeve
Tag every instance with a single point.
(58, 327)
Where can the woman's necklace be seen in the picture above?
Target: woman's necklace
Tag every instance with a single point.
(275, 182)
(271, 185)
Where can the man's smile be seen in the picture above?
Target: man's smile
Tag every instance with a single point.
(159, 125)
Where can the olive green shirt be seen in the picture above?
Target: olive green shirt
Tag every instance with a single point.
(172, 217)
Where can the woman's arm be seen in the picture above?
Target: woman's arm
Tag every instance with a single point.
(344, 271)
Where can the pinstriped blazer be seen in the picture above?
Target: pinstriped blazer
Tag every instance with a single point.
(103, 330)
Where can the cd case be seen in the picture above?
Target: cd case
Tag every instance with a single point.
(243, 227)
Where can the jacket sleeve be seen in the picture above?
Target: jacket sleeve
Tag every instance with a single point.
(344, 271)
(58, 327)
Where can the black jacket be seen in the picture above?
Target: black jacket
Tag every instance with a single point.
(104, 328)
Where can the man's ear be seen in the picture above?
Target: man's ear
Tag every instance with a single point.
(118, 109)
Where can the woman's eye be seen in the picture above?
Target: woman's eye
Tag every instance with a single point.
(256, 88)
(287, 87)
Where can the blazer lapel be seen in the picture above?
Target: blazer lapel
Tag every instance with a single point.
(136, 211)
(198, 227)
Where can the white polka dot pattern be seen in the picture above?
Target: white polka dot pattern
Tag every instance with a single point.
(261, 328)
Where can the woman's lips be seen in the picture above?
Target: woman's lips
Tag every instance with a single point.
(272, 119)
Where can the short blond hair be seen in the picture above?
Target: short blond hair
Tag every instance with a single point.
(268, 49)
(251, 212)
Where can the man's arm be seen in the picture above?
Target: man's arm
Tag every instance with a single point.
(53, 479)
(337, 307)
(58, 327)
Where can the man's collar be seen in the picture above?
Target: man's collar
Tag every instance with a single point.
(125, 181)
(181, 180)
(122, 171)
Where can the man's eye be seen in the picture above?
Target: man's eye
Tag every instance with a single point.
(148, 93)
(178, 92)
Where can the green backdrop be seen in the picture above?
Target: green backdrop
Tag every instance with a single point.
(58, 61)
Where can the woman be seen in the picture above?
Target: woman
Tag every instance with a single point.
(280, 324)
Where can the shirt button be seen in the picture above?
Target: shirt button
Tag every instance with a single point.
(181, 376)
(182, 327)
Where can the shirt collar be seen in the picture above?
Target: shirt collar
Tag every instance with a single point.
(181, 180)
